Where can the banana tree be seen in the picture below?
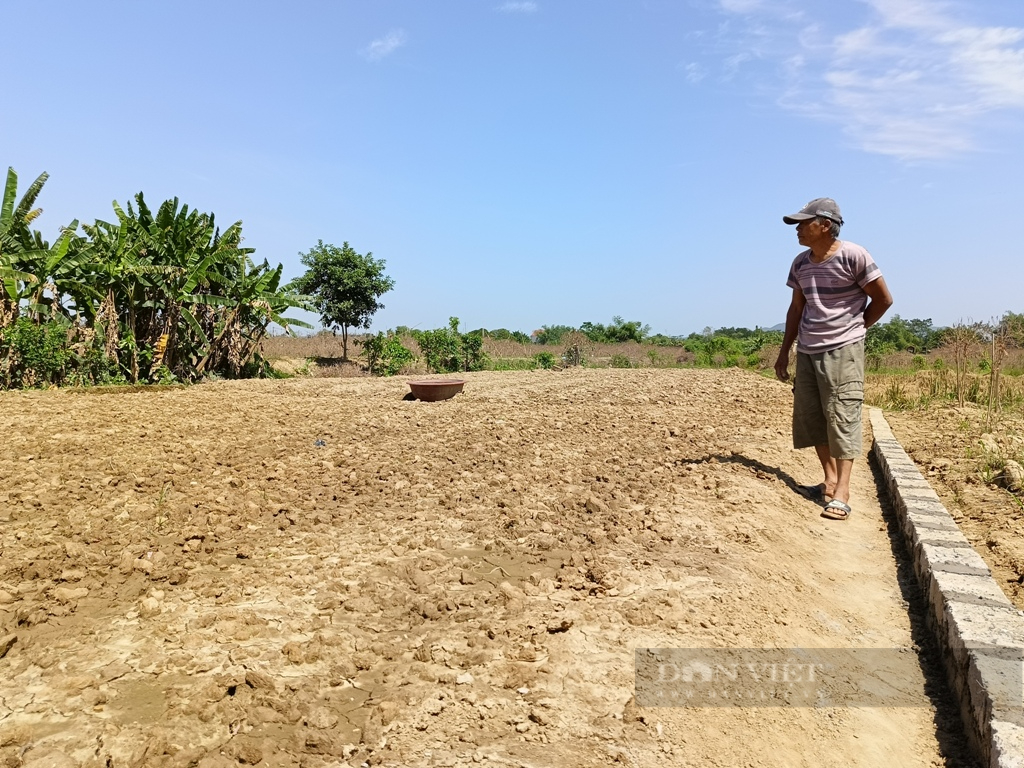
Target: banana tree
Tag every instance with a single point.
(256, 299)
(15, 243)
(34, 277)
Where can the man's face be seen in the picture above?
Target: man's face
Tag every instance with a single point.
(813, 231)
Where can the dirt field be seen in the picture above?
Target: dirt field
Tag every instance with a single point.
(320, 573)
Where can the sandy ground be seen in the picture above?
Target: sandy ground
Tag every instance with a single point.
(320, 573)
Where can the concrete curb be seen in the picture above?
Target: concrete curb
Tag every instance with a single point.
(980, 633)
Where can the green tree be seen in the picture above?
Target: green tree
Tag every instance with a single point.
(25, 259)
(1011, 325)
(551, 334)
(174, 293)
(344, 287)
(503, 334)
(898, 335)
(628, 330)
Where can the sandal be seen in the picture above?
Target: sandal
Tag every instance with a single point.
(836, 510)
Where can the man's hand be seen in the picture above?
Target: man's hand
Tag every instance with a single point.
(782, 367)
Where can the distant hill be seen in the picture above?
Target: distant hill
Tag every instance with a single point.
(779, 327)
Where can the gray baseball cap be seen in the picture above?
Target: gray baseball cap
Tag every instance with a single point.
(825, 207)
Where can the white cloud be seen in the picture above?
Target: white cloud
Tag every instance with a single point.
(518, 7)
(385, 46)
(694, 72)
(735, 62)
(912, 80)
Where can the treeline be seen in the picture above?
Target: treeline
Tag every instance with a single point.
(895, 335)
(447, 350)
(147, 296)
(920, 336)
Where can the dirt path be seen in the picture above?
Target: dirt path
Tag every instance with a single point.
(319, 573)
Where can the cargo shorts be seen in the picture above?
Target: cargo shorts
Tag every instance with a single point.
(828, 395)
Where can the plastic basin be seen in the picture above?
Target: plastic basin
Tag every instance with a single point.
(432, 390)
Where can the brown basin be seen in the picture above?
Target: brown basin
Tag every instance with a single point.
(436, 389)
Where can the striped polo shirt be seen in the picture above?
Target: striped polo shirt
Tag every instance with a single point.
(834, 289)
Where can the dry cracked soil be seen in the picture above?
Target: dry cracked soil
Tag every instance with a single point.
(322, 573)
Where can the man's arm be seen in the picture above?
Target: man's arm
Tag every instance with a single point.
(796, 311)
(880, 302)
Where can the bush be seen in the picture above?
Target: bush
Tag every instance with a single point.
(620, 361)
(448, 351)
(33, 355)
(544, 360)
(385, 355)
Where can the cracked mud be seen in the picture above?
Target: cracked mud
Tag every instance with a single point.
(321, 573)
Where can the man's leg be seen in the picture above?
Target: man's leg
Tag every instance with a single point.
(837, 474)
(844, 471)
(828, 466)
(843, 371)
(810, 425)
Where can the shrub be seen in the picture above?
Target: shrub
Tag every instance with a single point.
(620, 361)
(33, 355)
(385, 355)
(447, 351)
(544, 360)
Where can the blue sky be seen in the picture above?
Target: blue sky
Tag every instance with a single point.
(520, 164)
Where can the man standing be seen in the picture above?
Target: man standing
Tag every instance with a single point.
(838, 293)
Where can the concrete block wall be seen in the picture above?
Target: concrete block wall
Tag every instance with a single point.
(980, 632)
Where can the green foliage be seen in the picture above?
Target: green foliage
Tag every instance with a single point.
(544, 360)
(620, 361)
(52, 353)
(385, 355)
(145, 292)
(503, 334)
(619, 330)
(164, 376)
(664, 341)
(551, 334)
(345, 286)
(899, 335)
(472, 357)
(714, 350)
(33, 355)
(1011, 327)
(447, 351)
(728, 347)
(440, 347)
